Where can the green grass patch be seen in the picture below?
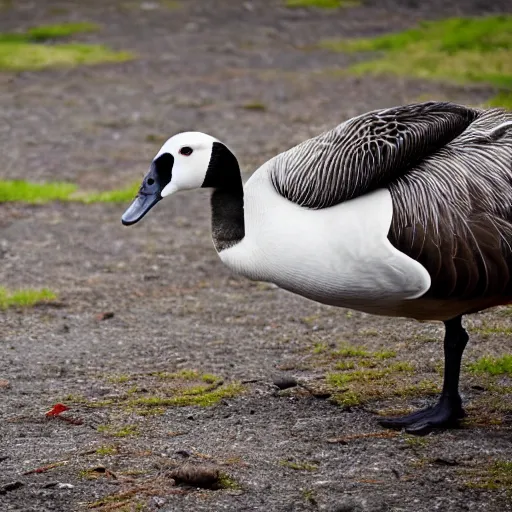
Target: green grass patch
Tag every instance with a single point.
(109, 196)
(298, 466)
(340, 379)
(26, 51)
(255, 105)
(56, 31)
(502, 99)
(24, 297)
(106, 450)
(497, 476)
(319, 348)
(493, 365)
(155, 393)
(226, 482)
(188, 375)
(40, 193)
(351, 351)
(34, 193)
(196, 397)
(322, 4)
(385, 354)
(354, 374)
(119, 379)
(345, 365)
(461, 50)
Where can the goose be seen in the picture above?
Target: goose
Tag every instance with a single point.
(401, 212)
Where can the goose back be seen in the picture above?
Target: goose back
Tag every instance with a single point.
(365, 152)
(452, 212)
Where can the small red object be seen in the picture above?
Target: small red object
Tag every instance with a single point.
(56, 410)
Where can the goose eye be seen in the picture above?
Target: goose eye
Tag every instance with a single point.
(186, 151)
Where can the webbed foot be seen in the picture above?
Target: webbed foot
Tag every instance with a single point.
(446, 413)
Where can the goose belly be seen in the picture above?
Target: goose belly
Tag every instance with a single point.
(339, 256)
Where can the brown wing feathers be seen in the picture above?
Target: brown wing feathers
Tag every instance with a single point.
(366, 152)
(453, 212)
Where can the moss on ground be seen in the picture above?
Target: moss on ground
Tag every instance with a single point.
(34, 193)
(461, 50)
(486, 331)
(39, 193)
(351, 351)
(322, 4)
(298, 466)
(106, 450)
(162, 390)
(27, 51)
(255, 105)
(200, 396)
(355, 375)
(494, 476)
(25, 297)
(492, 365)
(56, 31)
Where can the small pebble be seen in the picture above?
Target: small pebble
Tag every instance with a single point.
(284, 382)
(65, 486)
(107, 315)
(157, 502)
(11, 486)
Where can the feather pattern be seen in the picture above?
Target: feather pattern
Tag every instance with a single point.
(365, 152)
(448, 169)
(453, 211)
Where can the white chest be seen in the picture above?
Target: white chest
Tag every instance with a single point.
(339, 255)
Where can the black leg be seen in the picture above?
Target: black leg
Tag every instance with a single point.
(448, 409)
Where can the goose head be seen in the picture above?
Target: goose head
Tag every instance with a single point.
(186, 161)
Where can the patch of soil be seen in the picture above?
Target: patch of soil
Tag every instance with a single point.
(155, 297)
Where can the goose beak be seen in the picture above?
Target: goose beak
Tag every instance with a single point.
(139, 207)
(149, 194)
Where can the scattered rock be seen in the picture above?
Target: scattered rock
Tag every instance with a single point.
(105, 316)
(445, 462)
(11, 486)
(284, 382)
(346, 506)
(206, 477)
(63, 329)
(65, 486)
(157, 502)
(337, 440)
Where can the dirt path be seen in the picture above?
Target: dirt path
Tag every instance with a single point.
(245, 72)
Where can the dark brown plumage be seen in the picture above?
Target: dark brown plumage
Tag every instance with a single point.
(449, 171)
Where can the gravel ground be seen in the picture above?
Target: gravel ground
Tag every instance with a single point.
(176, 307)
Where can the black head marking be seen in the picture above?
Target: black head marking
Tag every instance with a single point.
(159, 175)
(150, 192)
(223, 170)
